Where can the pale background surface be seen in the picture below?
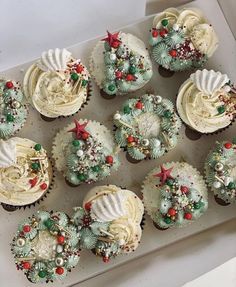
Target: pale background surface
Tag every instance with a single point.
(27, 28)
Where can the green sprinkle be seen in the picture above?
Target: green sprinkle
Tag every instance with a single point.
(169, 182)
(111, 87)
(167, 220)
(231, 185)
(167, 114)
(74, 76)
(132, 70)
(35, 165)
(10, 118)
(197, 205)
(42, 274)
(76, 143)
(37, 147)
(84, 83)
(48, 223)
(127, 110)
(81, 177)
(164, 22)
(96, 168)
(221, 109)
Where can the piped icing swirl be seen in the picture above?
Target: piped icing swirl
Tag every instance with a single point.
(28, 173)
(57, 84)
(206, 102)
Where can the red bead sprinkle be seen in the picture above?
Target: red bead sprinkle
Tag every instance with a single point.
(9, 85)
(163, 32)
(184, 189)
(79, 69)
(85, 136)
(26, 228)
(26, 265)
(130, 77)
(115, 44)
(60, 239)
(173, 53)
(33, 181)
(88, 205)
(109, 159)
(118, 74)
(130, 139)
(43, 186)
(188, 216)
(105, 259)
(60, 270)
(139, 105)
(228, 145)
(171, 211)
(154, 33)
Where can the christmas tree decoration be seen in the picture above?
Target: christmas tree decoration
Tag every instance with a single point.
(57, 84)
(147, 126)
(45, 247)
(126, 64)
(13, 109)
(182, 39)
(88, 153)
(220, 172)
(206, 101)
(174, 194)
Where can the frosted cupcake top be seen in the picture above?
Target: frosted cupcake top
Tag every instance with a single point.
(110, 222)
(45, 247)
(182, 39)
(85, 152)
(25, 171)
(147, 126)
(206, 101)
(220, 171)
(57, 84)
(13, 111)
(174, 194)
(120, 64)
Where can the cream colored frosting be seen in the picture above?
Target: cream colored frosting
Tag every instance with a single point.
(126, 228)
(198, 108)
(7, 153)
(15, 187)
(48, 86)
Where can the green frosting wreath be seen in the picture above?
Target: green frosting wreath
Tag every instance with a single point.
(220, 171)
(147, 126)
(45, 246)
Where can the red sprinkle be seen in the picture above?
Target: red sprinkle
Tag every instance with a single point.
(228, 145)
(9, 85)
(139, 105)
(130, 77)
(109, 159)
(105, 259)
(43, 186)
(85, 136)
(60, 239)
(188, 216)
(88, 205)
(171, 211)
(173, 53)
(115, 44)
(184, 189)
(79, 69)
(60, 270)
(119, 74)
(26, 228)
(163, 32)
(33, 181)
(130, 139)
(154, 33)
(26, 265)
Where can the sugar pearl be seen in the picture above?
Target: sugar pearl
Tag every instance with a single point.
(216, 184)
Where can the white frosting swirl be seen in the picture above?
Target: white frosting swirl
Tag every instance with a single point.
(7, 153)
(199, 109)
(171, 14)
(48, 85)
(15, 186)
(189, 18)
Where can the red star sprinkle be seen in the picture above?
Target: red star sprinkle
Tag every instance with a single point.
(164, 174)
(112, 38)
(79, 129)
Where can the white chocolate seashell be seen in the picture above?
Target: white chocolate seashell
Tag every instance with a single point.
(108, 207)
(209, 81)
(54, 60)
(7, 153)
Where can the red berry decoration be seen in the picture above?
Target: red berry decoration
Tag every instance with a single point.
(171, 211)
(9, 85)
(109, 159)
(163, 32)
(173, 53)
(26, 265)
(79, 69)
(43, 186)
(130, 139)
(60, 239)
(105, 259)
(188, 216)
(154, 33)
(85, 136)
(118, 74)
(88, 205)
(228, 145)
(115, 44)
(26, 228)
(33, 181)
(139, 105)
(184, 189)
(60, 270)
(129, 78)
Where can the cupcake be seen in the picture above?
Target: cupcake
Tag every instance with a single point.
(25, 172)
(109, 222)
(206, 101)
(174, 194)
(13, 110)
(182, 39)
(57, 84)
(85, 152)
(220, 172)
(147, 127)
(120, 64)
(45, 247)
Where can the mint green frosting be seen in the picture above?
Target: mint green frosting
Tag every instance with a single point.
(174, 38)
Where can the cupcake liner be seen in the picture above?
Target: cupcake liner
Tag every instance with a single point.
(11, 208)
(151, 196)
